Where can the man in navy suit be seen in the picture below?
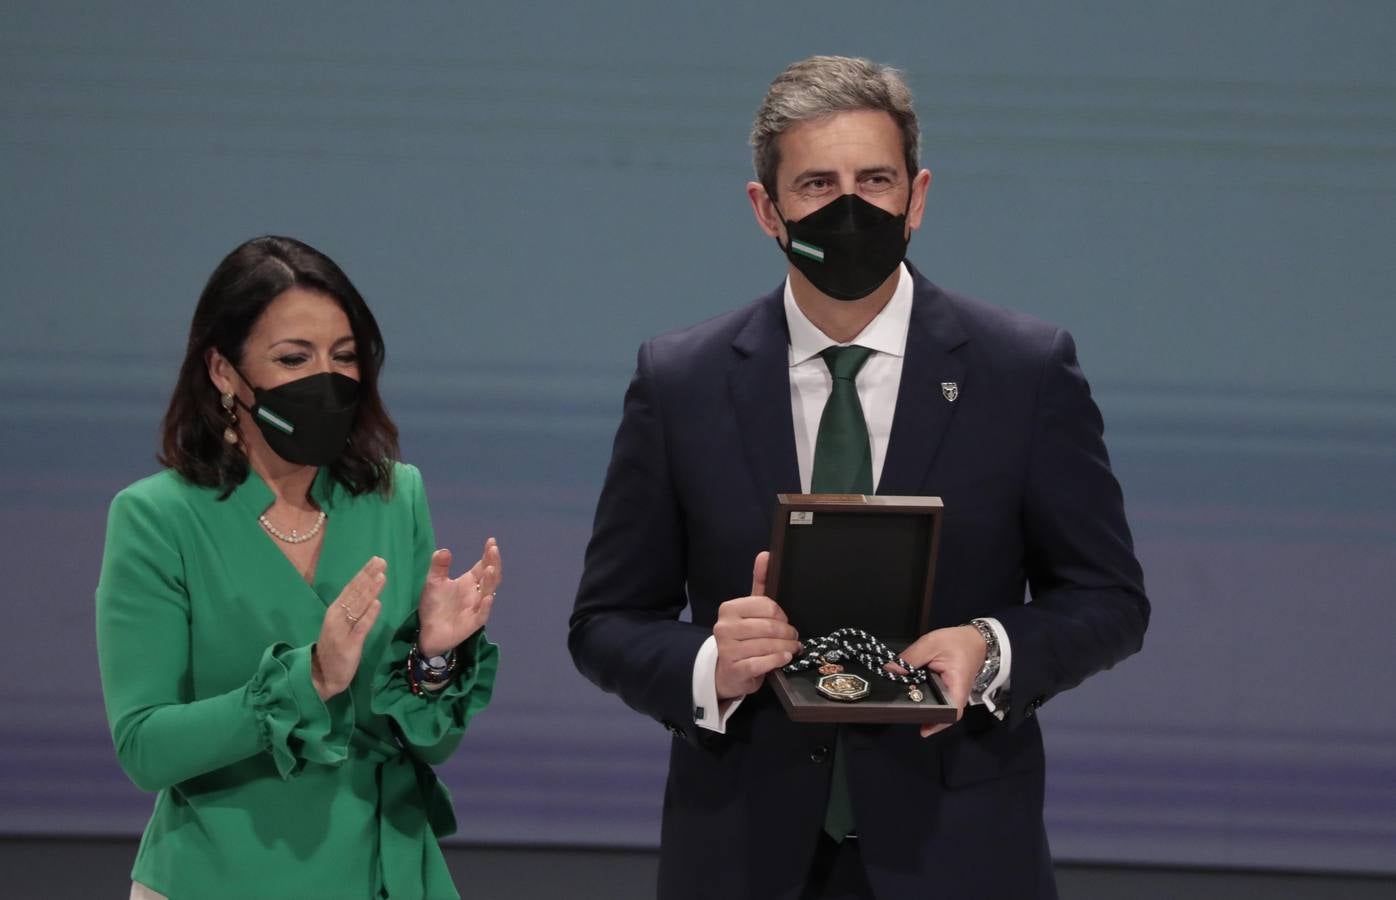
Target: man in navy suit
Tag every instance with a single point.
(983, 407)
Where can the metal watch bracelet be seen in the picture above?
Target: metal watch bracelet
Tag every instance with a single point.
(990, 669)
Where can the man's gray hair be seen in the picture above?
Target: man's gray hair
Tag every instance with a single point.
(821, 86)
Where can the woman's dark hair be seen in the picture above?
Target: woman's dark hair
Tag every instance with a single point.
(238, 292)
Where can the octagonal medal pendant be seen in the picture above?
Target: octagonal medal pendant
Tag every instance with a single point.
(843, 687)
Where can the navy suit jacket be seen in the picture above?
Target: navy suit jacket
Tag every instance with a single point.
(705, 443)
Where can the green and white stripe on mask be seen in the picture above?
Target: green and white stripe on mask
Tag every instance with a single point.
(809, 250)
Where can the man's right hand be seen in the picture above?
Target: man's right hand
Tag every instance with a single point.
(753, 637)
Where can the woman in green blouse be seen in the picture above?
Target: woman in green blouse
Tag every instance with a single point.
(284, 654)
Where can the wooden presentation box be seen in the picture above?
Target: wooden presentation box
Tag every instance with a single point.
(859, 561)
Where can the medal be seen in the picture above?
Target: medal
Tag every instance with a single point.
(843, 686)
(826, 655)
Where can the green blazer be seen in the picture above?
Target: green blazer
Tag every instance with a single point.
(204, 633)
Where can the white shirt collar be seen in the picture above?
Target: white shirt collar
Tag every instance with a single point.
(886, 333)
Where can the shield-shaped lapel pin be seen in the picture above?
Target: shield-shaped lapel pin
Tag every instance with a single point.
(949, 390)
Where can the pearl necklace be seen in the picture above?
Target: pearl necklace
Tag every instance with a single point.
(294, 537)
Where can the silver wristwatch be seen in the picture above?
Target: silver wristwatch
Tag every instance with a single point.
(990, 669)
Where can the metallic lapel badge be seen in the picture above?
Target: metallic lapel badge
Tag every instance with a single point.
(949, 390)
(843, 686)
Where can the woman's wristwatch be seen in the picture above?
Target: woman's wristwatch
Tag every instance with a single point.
(436, 669)
(429, 673)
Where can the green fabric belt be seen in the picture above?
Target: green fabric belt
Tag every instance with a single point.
(410, 797)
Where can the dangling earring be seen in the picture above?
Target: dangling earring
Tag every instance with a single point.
(230, 433)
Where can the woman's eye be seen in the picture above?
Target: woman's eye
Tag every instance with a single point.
(292, 359)
(347, 359)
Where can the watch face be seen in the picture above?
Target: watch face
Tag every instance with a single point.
(437, 662)
(985, 676)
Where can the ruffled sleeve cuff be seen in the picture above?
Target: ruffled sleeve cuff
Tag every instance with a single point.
(297, 726)
(428, 719)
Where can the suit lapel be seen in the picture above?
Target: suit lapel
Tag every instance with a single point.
(924, 409)
(759, 381)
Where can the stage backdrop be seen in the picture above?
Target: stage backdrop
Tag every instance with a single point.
(1203, 193)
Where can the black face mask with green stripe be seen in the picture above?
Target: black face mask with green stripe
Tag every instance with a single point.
(847, 247)
(307, 421)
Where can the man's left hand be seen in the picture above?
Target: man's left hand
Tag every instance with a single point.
(956, 655)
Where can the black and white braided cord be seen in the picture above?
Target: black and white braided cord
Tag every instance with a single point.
(855, 643)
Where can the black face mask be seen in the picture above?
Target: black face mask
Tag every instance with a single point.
(847, 247)
(307, 421)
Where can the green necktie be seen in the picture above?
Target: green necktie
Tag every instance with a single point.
(842, 455)
(842, 465)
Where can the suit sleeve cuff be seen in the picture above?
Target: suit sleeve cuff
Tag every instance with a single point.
(708, 712)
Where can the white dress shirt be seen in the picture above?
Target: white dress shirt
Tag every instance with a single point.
(810, 385)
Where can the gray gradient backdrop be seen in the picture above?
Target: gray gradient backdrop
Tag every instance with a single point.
(1203, 193)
